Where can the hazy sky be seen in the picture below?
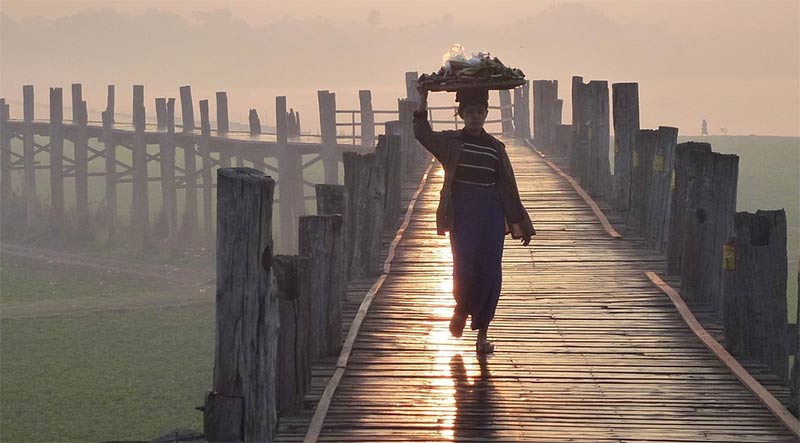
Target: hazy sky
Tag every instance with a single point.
(736, 64)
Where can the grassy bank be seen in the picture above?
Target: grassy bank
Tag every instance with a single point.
(128, 374)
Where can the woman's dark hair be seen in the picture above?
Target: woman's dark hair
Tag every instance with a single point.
(472, 96)
(462, 105)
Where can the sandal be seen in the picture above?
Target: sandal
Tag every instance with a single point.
(457, 324)
(484, 347)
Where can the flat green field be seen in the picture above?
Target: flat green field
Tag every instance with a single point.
(96, 376)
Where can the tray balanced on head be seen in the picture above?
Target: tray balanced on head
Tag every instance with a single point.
(487, 73)
(458, 84)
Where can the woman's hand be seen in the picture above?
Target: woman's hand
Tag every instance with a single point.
(423, 98)
(526, 239)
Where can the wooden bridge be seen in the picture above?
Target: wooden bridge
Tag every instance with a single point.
(615, 325)
(588, 348)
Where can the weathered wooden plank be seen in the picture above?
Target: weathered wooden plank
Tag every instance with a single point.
(710, 207)
(140, 206)
(247, 310)
(168, 219)
(506, 112)
(28, 152)
(658, 198)
(5, 156)
(626, 123)
(598, 175)
(367, 118)
(754, 307)
(294, 370)
(110, 204)
(327, 124)
(644, 148)
(364, 181)
(57, 212)
(680, 180)
(321, 240)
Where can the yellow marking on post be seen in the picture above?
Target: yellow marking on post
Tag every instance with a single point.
(729, 257)
(658, 163)
(635, 158)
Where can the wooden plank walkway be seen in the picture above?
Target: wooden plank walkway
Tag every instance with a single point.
(587, 348)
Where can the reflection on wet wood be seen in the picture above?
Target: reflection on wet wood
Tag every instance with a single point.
(588, 349)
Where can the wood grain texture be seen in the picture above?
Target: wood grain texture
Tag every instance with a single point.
(587, 348)
(247, 315)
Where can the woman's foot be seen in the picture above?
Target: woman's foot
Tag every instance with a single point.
(457, 324)
(483, 345)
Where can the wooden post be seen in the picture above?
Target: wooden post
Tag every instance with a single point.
(364, 181)
(598, 176)
(255, 123)
(367, 118)
(223, 125)
(140, 208)
(794, 382)
(626, 123)
(522, 126)
(290, 185)
(320, 239)
(333, 200)
(656, 232)
(242, 404)
(411, 86)
(710, 207)
(187, 109)
(644, 149)
(546, 113)
(110, 144)
(294, 369)
(57, 214)
(29, 151)
(166, 142)
(292, 124)
(684, 169)
(410, 150)
(754, 308)
(108, 116)
(81, 161)
(539, 109)
(208, 191)
(506, 112)
(525, 109)
(327, 123)
(5, 159)
(580, 129)
(393, 178)
(563, 140)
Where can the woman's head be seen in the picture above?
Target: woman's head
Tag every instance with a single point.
(473, 107)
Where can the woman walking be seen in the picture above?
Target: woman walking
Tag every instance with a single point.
(479, 205)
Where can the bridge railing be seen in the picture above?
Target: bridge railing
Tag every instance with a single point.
(681, 198)
(293, 304)
(114, 168)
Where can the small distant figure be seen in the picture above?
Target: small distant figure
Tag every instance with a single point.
(704, 129)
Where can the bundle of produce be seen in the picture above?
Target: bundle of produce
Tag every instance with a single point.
(480, 70)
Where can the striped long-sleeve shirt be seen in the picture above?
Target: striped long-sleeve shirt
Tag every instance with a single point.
(477, 163)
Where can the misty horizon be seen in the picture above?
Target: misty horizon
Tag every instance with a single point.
(726, 68)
